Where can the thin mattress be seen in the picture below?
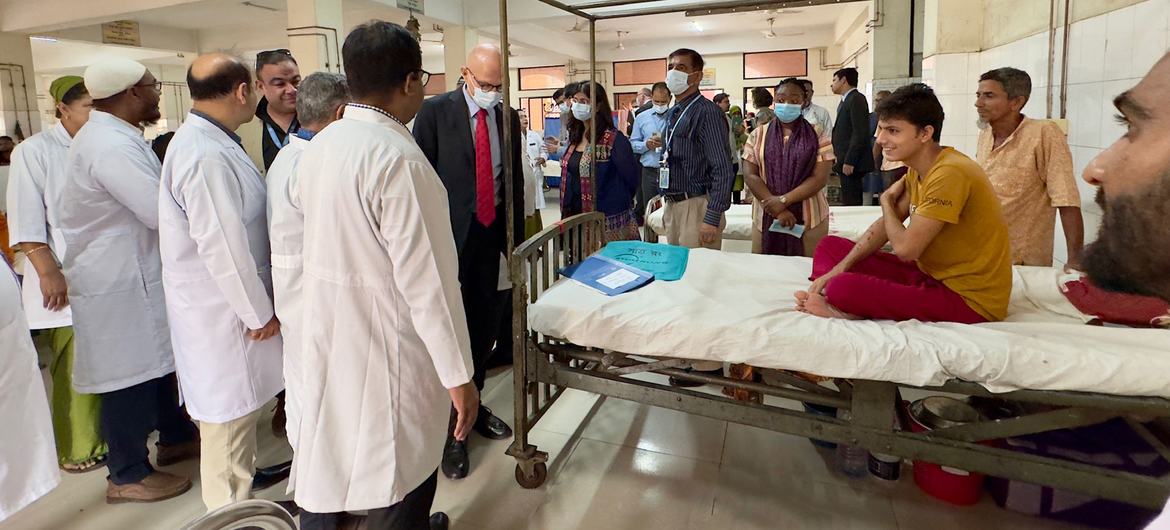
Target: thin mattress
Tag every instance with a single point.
(738, 308)
(845, 221)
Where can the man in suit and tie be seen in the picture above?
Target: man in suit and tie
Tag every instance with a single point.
(462, 134)
(851, 136)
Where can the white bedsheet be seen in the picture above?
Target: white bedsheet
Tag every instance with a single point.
(738, 308)
(845, 221)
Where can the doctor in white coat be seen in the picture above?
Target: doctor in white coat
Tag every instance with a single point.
(106, 208)
(43, 288)
(384, 342)
(27, 460)
(214, 241)
(321, 99)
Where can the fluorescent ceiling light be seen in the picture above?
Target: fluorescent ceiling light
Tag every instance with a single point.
(43, 38)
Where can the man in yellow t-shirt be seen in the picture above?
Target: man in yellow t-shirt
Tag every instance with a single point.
(953, 262)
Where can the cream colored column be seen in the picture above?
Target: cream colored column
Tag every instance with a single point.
(457, 43)
(316, 34)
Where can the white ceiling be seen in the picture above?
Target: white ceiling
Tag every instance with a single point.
(541, 40)
(69, 56)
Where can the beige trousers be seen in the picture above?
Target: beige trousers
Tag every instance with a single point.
(227, 460)
(683, 220)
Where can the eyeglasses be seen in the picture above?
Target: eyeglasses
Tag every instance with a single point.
(157, 85)
(265, 56)
(486, 87)
(425, 76)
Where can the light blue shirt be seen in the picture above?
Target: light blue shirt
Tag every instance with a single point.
(645, 125)
(493, 137)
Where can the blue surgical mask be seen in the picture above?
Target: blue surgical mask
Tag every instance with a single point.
(788, 112)
(582, 111)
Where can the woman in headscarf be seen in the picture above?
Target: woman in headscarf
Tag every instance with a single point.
(610, 188)
(80, 446)
(786, 166)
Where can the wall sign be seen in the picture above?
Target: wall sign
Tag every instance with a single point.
(411, 5)
(124, 32)
(708, 77)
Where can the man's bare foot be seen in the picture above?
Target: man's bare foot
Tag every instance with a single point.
(818, 305)
(801, 298)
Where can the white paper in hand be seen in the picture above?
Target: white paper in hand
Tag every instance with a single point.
(796, 230)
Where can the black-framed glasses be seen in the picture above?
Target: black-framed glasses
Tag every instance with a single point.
(266, 56)
(157, 85)
(425, 76)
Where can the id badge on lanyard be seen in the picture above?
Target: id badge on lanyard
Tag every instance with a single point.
(275, 138)
(664, 169)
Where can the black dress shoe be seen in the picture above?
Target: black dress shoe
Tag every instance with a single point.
(455, 461)
(490, 426)
(692, 384)
(267, 477)
(290, 507)
(440, 521)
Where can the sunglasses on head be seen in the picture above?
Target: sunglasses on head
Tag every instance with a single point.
(267, 55)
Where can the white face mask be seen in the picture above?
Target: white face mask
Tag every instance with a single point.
(565, 107)
(659, 109)
(486, 100)
(677, 81)
(582, 111)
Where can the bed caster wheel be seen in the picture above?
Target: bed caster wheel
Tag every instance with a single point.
(535, 480)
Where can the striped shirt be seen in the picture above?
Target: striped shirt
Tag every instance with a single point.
(697, 155)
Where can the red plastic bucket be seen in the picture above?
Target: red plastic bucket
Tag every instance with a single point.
(955, 486)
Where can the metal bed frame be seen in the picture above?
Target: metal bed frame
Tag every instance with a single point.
(545, 366)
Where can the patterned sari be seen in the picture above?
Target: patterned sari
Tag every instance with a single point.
(621, 226)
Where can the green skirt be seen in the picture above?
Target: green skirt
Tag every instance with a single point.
(75, 416)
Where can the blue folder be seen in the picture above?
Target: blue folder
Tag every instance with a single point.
(665, 262)
(609, 276)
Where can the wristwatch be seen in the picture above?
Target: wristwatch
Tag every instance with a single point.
(783, 199)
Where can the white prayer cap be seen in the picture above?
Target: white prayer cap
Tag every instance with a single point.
(108, 77)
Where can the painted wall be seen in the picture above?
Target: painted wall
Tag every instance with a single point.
(1108, 54)
(19, 104)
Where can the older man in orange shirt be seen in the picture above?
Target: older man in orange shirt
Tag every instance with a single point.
(1030, 167)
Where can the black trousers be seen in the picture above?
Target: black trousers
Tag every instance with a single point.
(851, 188)
(479, 276)
(129, 415)
(411, 513)
(646, 191)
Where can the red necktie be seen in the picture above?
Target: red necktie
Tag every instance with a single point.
(485, 181)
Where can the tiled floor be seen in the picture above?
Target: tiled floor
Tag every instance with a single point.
(612, 465)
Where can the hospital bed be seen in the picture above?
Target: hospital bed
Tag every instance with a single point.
(737, 308)
(845, 221)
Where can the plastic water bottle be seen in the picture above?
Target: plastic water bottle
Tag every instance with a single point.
(852, 460)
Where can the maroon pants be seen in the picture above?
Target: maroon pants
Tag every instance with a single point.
(883, 287)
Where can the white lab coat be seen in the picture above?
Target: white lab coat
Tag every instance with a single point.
(534, 145)
(106, 207)
(384, 331)
(28, 455)
(33, 160)
(286, 232)
(213, 237)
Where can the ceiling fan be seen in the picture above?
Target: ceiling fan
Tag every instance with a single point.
(621, 45)
(770, 33)
(579, 26)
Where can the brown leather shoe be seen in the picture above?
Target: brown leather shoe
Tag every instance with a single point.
(169, 455)
(157, 486)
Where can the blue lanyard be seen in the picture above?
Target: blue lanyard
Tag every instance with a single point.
(276, 139)
(670, 129)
